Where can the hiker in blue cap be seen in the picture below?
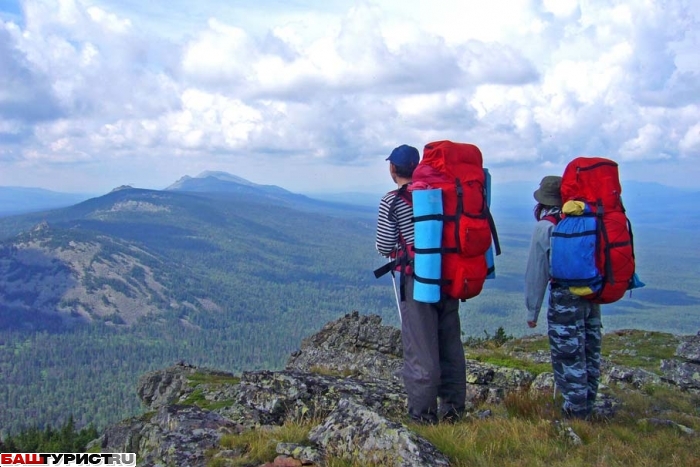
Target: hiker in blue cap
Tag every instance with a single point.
(573, 322)
(434, 364)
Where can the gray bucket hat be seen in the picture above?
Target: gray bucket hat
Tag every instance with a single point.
(549, 192)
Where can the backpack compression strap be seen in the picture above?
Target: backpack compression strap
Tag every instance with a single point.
(485, 212)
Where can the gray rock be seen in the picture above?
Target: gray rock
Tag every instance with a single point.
(636, 377)
(306, 454)
(356, 345)
(690, 349)
(292, 395)
(685, 375)
(163, 387)
(542, 384)
(490, 383)
(355, 433)
(174, 435)
(567, 433)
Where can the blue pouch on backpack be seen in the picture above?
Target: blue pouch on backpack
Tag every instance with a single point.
(635, 282)
(573, 253)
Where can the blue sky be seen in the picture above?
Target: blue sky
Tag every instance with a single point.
(313, 95)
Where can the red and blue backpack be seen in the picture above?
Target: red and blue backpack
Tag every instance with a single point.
(468, 227)
(592, 251)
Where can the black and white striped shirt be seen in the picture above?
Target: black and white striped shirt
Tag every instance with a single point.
(388, 229)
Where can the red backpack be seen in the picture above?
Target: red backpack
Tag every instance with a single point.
(595, 181)
(468, 227)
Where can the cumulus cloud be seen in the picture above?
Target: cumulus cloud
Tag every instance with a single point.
(25, 92)
(120, 83)
(690, 143)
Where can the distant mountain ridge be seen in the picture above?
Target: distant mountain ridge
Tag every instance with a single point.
(216, 181)
(18, 200)
(511, 197)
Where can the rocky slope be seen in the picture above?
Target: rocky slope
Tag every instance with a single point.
(98, 278)
(344, 380)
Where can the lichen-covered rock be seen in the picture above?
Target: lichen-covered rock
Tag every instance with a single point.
(685, 375)
(305, 454)
(162, 387)
(354, 432)
(565, 431)
(174, 435)
(354, 344)
(490, 383)
(293, 395)
(542, 384)
(690, 349)
(635, 377)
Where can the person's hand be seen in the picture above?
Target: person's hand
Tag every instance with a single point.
(532, 324)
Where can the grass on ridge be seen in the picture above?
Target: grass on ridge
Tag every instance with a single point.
(648, 430)
(522, 432)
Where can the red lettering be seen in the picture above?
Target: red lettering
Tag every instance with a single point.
(33, 459)
(22, 459)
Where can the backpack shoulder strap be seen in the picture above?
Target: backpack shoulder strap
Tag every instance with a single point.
(550, 218)
(401, 193)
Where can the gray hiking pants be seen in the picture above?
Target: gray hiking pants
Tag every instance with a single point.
(575, 342)
(434, 364)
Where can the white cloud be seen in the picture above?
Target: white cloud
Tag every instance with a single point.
(332, 88)
(647, 145)
(561, 8)
(690, 144)
(220, 55)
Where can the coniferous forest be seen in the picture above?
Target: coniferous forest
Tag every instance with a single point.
(231, 281)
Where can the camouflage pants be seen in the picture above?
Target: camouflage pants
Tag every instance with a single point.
(575, 340)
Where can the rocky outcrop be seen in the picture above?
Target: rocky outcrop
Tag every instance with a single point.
(360, 346)
(490, 383)
(354, 433)
(684, 371)
(172, 435)
(345, 380)
(356, 345)
(165, 387)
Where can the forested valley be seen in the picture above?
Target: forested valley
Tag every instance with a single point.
(95, 295)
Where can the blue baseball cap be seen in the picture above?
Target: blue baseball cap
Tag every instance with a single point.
(404, 156)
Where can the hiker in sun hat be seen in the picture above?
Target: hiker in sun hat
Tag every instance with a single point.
(549, 194)
(434, 367)
(574, 325)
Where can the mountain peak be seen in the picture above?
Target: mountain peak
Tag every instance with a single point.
(225, 176)
(122, 187)
(216, 181)
(186, 181)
